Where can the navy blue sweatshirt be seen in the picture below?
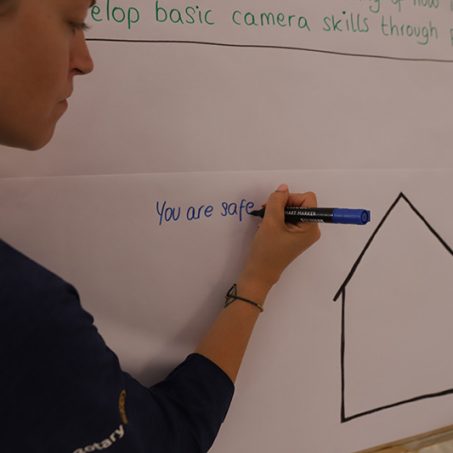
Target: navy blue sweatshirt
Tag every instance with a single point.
(62, 389)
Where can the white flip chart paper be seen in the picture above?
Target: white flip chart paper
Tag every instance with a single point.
(194, 111)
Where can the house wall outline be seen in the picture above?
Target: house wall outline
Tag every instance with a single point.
(342, 292)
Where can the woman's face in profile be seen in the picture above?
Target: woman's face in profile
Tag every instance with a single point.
(41, 49)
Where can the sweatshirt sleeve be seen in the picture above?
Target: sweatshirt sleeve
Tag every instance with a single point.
(63, 389)
(202, 393)
(186, 410)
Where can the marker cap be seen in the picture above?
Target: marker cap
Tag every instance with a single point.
(351, 216)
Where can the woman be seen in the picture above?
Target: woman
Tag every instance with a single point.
(62, 388)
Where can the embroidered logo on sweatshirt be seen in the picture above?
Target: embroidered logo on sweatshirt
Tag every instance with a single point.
(122, 406)
(115, 436)
(106, 443)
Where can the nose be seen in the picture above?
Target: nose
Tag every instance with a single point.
(81, 61)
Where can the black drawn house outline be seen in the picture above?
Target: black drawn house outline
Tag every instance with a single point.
(342, 291)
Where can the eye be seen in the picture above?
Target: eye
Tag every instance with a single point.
(76, 26)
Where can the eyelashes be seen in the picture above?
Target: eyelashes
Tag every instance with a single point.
(79, 26)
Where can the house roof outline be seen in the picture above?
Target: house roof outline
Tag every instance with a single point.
(342, 292)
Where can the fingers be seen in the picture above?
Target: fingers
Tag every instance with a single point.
(276, 203)
(280, 199)
(305, 228)
(307, 199)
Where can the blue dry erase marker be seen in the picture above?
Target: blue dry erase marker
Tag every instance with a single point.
(323, 215)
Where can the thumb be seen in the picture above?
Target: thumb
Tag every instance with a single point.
(276, 203)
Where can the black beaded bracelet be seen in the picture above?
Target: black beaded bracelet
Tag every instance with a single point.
(231, 296)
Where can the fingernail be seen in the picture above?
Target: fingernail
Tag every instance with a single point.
(282, 188)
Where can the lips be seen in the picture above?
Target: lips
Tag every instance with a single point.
(67, 97)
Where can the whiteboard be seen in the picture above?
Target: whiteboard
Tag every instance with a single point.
(179, 116)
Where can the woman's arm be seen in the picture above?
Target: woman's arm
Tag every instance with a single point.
(274, 247)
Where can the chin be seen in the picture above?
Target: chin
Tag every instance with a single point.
(38, 146)
(32, 146)
(38, 142)
(27, 134)
(21, 144)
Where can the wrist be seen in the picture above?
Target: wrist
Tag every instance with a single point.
(253, 289)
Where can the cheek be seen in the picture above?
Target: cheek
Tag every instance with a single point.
(49, 72)
(33, 78)
(42, 64)
(37, 83)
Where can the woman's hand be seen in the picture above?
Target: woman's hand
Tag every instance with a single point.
(277, 244)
